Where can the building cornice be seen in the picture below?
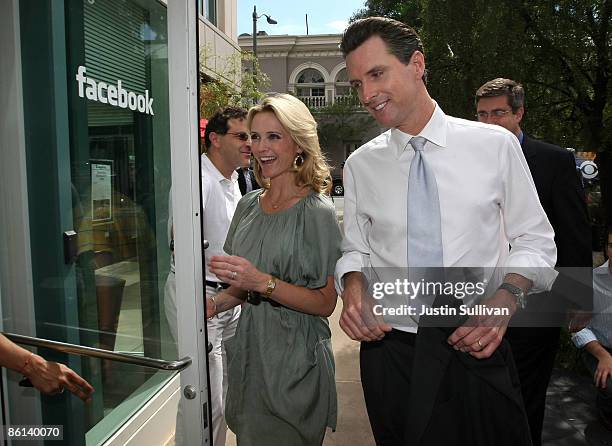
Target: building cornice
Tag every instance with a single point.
(311, 44)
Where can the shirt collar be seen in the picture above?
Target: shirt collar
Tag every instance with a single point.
(434, 131)
(212, 170)
(603, 269)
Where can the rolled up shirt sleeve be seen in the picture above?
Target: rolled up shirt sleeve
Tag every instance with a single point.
(583, 337)
(355, 249)
(531, 236)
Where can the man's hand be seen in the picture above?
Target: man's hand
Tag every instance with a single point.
(603, 372)
(481, 335)
(357, 319)
(211, 307)
(52, 378)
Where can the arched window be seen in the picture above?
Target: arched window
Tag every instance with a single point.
(310, 82)
(343, 87)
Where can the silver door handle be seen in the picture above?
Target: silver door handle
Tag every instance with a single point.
(100, 353)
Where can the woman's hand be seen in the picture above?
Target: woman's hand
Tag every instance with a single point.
(238, 272)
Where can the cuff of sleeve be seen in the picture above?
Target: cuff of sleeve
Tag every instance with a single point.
(350, 261)
(542, 275)
(583, 337)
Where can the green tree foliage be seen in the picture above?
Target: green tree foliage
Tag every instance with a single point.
(342, 121)
(560, 50)
(234, 85)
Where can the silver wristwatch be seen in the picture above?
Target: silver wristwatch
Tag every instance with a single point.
(517, 292)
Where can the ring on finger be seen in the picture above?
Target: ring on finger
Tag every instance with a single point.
(480, 344)
(234, 274)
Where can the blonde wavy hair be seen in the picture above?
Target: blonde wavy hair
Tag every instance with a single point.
(297, 120)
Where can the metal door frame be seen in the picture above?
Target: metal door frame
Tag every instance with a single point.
(184, 131)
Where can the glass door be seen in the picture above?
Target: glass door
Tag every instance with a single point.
(96, 136)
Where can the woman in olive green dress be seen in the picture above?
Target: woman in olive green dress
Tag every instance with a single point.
(283, 244)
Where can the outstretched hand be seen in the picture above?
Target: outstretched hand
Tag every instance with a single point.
(52, 378)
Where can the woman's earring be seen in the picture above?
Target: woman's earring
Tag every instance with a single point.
(298, 161)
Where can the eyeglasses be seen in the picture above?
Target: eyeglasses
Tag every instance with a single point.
(242, 136)
(497, 113)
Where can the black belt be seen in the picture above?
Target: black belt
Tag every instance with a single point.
(217, 285)
(255, 298)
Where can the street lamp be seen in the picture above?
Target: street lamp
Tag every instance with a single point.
(271, 21)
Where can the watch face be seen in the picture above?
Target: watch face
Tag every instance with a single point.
(517, 292)
(271, 286)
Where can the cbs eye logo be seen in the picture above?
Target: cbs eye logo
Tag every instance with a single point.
(589, 170)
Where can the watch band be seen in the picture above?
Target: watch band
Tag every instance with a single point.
(517, 292)
(271, 286)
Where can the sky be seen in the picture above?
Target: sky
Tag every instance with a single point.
(324, 16)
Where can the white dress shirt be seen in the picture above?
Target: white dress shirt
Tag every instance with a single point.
(220, 197)
(487, 201)
(599, 327)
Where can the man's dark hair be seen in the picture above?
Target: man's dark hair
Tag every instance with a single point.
(218, 122)
(401, 40)
(513, 91)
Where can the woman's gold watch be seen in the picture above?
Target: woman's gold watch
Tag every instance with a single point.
(270, 287)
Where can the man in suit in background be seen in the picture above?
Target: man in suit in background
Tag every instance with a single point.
(501, 102)
(246, 180)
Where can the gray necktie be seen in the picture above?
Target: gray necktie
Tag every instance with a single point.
(424, 227)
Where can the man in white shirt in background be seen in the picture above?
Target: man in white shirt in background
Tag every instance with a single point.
(481, 199)
(596, 338)
(228, 147)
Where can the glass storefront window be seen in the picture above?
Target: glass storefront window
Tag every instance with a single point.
(95, 76)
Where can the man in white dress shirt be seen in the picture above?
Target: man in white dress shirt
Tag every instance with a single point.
(228, 147)
(596, 338)
(487, 200)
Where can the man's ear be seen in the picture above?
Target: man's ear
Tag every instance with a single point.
(519, 113)
(214, 139)
(418, 59)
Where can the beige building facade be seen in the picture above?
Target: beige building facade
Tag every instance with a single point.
(218, 37)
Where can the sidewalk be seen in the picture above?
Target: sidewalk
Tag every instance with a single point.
(571, 417)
